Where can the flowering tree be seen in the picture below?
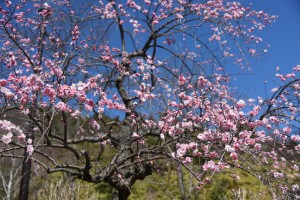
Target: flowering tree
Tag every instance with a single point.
(160, 66)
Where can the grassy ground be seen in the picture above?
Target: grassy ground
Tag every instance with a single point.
(162, 185)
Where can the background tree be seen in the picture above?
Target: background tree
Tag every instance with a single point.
(159, 69)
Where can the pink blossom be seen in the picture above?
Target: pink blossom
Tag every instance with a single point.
(50, 93)
(281, 76)
(141, 142)
(179, 16)
(297, 68)
(80, 60)
(3, 82)
(297, 148)
(209, 165)
(29, 141)
(8, 94)
(7, 138)
(257, 146)
(250, 141)
(30, 149)
(228, 148)
(241, 103)
(22, 137)
(182, 80)
(9, 127)
(228, 16)
(291, 75)
(295, 187)
(295, 138)
(155, 22)
(61, 106)
(213, 154)
(152, 80)
(234, 156)
(187, 160)
(89, 104)
(252, 51)
(274, 89)
(201, 136)
(278, 175)
(75, 34)
(287, 130)
(94, 124)
(135, 135)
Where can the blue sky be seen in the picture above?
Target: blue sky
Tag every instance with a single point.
(284, 38)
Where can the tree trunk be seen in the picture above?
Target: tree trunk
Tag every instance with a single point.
(180, 181)
(26, 164)
(122, 194)
(25, 179)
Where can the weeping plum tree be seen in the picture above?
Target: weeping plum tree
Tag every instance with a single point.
(159, 67)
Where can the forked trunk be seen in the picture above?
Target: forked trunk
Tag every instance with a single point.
(122, 194)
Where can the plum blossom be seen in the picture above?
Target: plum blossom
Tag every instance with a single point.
(187, 160)
(182, 80)
(241, 103)
(295, 187)
(278, 175)
(155, 74)
(234, 156)
(210, 165)
(94, 124)
(257, 146)
(135, 135)
(22, 137)
(9, 127)
(30, 149)
(7, 138)
(229, 148)
(274, 89)
(3, 82)
(287, 130)
(61, 106)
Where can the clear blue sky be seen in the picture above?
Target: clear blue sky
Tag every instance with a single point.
(284, 38)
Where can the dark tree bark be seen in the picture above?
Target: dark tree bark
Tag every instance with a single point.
(25, 176)
(121, 194)
(122, 179)
(26, 164)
